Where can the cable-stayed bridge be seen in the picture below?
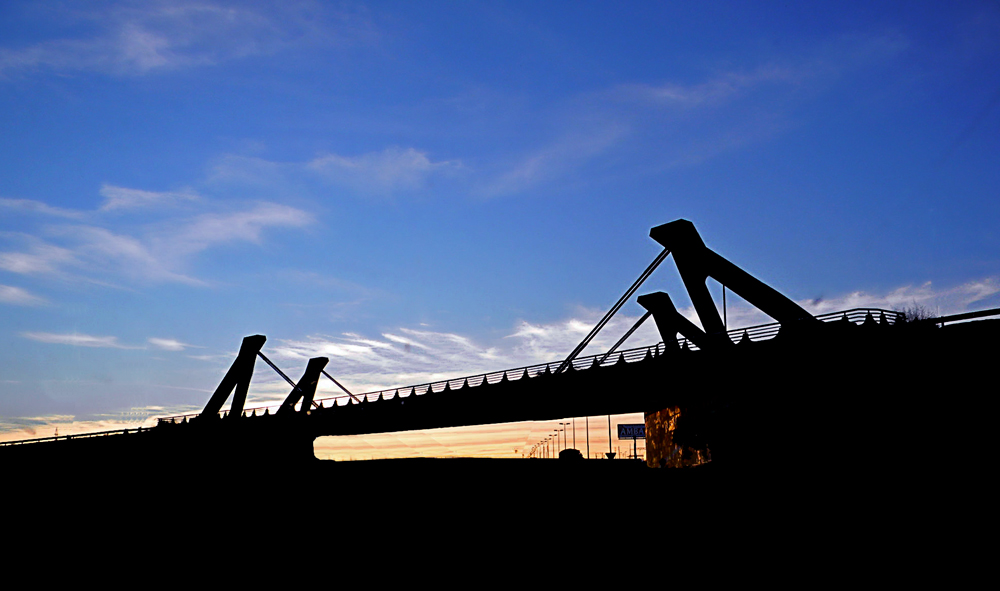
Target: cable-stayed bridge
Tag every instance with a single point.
(780, 388)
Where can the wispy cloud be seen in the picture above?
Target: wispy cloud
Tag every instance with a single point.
(815, 66)
(19, 297)
(157, 253)
(116, 198)
(541, 342)
(572, 151)
(713, 91)
(76, 340)
(40, 258)
(675, 122)
(411, 356)
(106, 251)
(31, 206)
(607, 123)
(142, 37)
(401, 357)
(389, 171)
(171, 344)
(209, 229)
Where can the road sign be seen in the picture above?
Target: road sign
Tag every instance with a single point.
(632, 431)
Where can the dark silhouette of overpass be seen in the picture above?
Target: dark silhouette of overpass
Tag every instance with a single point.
(802, 388)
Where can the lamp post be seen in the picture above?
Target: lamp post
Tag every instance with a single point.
(609, 438)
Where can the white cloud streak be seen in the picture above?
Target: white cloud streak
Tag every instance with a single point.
(684, 123)
(124, 255)
(570, 152)
(19, 297)
(76, 340)
(719, 89)
(116, 198)
(40, 259)
(130, 39)
(604, 122)
(31, 206)
(392, 171)
(171, 344)
(209, 229)
(408, 356)
(389, 171)
(159, 253)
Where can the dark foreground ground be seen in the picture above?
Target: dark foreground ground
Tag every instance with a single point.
(451, 488)
(428, 478)
(493, 522)
(326, 502)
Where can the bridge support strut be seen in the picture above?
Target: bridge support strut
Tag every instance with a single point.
(237, 379)
(306, 388)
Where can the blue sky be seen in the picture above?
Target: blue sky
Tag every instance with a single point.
(421, 190)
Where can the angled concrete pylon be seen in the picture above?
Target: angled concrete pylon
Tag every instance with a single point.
(696, 263)
(237, 378)
(306, 387)
(670, 322)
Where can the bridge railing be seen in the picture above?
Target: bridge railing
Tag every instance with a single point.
(762, 332)
(758, 332)
(73, 436)
(755, 333)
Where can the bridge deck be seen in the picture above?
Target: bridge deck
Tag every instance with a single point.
(799, 393)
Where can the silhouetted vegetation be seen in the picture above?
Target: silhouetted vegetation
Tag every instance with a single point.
(916, 313)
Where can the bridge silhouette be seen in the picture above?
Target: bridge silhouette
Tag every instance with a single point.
(796, 388)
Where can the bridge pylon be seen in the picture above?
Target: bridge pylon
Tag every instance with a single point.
(305, 389)
(236, 380)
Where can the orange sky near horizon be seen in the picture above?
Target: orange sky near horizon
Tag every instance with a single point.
(501, 440)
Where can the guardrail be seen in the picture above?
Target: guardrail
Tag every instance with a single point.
(960, 317)
(75, 436)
